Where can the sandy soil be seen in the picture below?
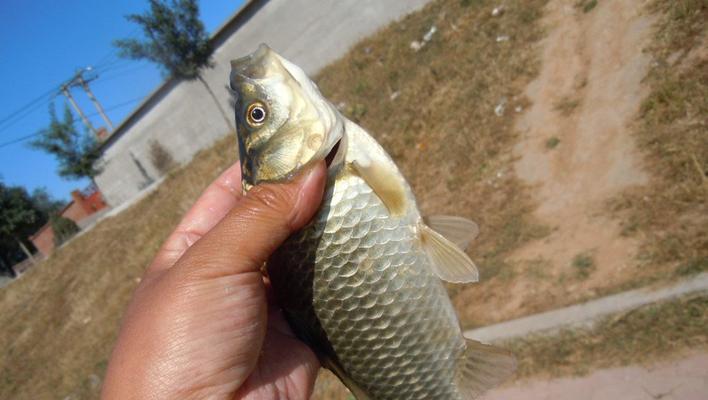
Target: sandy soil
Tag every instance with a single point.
(685, 379)
(587, 93)
(597, 63)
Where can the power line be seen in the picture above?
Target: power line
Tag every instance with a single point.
(21, 139)
(30, 104)
(29, 108)
(117, 106)
(117, 64)
(19, 117)
(110, 108)
(106, 63)
(112, 56)
(121, 74)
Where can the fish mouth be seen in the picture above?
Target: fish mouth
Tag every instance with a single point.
(256, 65)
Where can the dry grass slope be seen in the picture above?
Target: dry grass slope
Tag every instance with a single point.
(59, 320)
(670, 214)
(641, 336)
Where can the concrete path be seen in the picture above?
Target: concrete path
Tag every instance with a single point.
(584, 315)
(684, 379)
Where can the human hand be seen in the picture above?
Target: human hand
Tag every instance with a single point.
(200, 324)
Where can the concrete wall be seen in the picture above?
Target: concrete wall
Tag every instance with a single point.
(182, 117)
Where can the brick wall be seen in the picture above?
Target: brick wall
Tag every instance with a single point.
(43, 240)
(81, 207)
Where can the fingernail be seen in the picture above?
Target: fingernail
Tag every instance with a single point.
(231, 179)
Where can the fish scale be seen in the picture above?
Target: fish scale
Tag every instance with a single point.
(373, 297)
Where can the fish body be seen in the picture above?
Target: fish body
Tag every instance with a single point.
(361, 284)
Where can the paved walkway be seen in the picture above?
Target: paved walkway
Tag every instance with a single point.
(584, 315)
(685, 379)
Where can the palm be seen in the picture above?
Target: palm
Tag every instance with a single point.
(286, 369)
(195, 326)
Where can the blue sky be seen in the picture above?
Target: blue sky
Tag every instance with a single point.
(42, 44)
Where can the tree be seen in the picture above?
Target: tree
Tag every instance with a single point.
(44, 202)
(19, 218)
(176, 40)
(64, 229)
(77, 153)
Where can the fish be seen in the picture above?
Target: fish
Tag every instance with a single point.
(362, 283)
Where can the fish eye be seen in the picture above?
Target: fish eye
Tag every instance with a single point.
(256, 114)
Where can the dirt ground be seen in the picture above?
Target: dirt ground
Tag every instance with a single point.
(596, 65)
(576, 152)
(684, 379)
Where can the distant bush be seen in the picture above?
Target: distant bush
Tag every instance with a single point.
(161, 158)
(64, 229)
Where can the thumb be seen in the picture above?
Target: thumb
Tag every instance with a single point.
(257, 225)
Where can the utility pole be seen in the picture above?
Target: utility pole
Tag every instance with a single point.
(79, 80)
(65, 90)
(85, 85)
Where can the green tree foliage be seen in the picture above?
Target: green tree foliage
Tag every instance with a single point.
(176, 40)
(64, 229)
(21, 215)
(44, 202)
(77, 153)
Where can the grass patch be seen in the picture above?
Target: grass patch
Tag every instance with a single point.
(586, 5)
(640, 336)
(669, 215)
(552, 143)
(566, 106)
(693, 267)
(583, 264)
(475, 3)
(536, 269)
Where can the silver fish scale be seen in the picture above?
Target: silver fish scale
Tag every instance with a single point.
(370, 301)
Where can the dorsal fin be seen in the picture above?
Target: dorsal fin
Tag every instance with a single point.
(482, 367)
(448, 261)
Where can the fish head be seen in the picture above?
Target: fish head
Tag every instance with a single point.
(283, 122)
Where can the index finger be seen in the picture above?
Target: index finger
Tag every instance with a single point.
(214, 203)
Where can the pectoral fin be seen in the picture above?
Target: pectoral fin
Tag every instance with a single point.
(448, 261)
(482, 367)
(384, 183)
(458, 230)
